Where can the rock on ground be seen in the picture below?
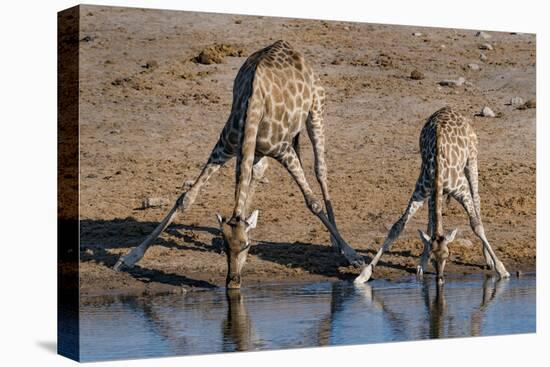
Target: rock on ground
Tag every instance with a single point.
(417, 75)
(452, 82)
(516, 101)
(483, 35)
(487, 112)
(486, 46)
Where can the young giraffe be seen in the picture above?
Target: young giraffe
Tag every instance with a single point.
(275, 94)
(448, 146)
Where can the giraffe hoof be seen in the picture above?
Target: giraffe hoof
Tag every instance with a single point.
(501, 270)
(119, 265)
(364, 276)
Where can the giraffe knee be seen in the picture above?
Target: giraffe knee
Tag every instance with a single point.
(314, 205)
(478, 229)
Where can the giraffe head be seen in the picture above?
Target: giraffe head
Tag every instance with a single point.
(236, 245)
(439, 250)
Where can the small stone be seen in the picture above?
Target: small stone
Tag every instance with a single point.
(151, 64)
(483, 35)
(516, 101)
(452, 82)
(417, 34)
(487, 112)
(483, 57)
(417, 75)
(473, 66)
(486, 46)
(238, 21)
(152, 203)
(346, 28)
(442, 46)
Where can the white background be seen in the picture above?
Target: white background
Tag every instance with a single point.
(28, 181)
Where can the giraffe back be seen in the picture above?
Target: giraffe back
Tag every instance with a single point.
(446, 141)
(281, 83)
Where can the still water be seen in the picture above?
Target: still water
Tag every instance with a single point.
(303, 315)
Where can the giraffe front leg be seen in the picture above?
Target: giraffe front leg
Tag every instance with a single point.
(415, 203)
(184, 201)
(290, 161)
(258, 171)
(426, 252)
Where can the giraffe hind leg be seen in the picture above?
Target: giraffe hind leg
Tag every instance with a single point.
(290, 161)
(315, 129)
(465, 198)
(471, 174)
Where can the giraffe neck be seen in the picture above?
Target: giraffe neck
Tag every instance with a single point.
(438, 184)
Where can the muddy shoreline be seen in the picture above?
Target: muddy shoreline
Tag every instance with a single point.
(151, 110)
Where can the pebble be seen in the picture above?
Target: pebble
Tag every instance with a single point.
(516, 101)
(452, 82)
(417, 75)
(483, 35)
(487, 112)
(486, 46)
(483, 57)
(346, 28)
(417, 34)
(152, 203)
(473, 66)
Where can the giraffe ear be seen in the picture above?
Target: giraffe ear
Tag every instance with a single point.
(252, 220)
(424, 237)
(220, 219)
(451, 236)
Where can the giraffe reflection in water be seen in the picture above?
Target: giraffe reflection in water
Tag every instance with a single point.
(284, 316)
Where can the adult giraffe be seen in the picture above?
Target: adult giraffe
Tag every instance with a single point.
(275, 94)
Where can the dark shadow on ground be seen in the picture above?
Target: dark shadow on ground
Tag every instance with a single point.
(98, 236)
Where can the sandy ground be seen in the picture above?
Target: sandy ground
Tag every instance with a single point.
(149, 116)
